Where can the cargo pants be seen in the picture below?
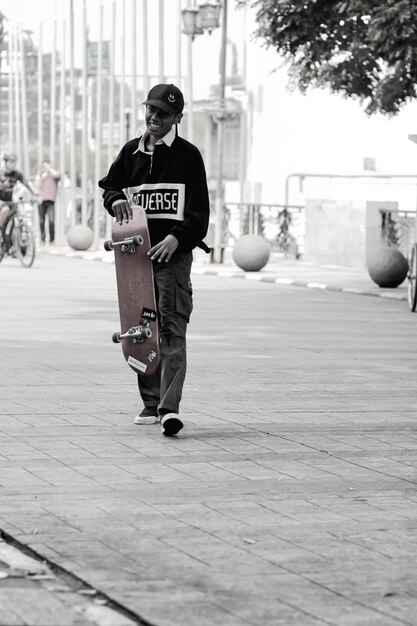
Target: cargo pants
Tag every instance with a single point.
(174, 301)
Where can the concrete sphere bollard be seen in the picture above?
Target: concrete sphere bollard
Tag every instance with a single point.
(80, 237)
(388, 267)
(251, 253)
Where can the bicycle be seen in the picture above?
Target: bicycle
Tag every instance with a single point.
(412, 279)
(287, 243)
(17, 238)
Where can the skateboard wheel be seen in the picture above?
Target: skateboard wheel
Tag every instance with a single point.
(147, 333)
(138, 240)
(116, 338)
(108, 245)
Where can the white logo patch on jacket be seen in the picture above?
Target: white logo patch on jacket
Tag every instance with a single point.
(160, 200)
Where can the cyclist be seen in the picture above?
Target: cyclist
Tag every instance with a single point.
(284, 221)
(286, 241)
(9, 176)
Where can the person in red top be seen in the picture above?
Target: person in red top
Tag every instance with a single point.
(48, 189)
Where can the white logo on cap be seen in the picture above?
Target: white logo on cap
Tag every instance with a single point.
(171, 97)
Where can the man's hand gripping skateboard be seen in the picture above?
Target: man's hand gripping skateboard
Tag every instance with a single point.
(162, 251)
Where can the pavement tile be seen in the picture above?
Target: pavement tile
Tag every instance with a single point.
(293, 468)
(250, 470)
(267, 612)
(363, 512)
(64, 477)
(40, 523)
(198, 515)
(400, 505)
(206, 472)
(17, 453)
(392, 592)
(17, 476)
(325, 604)
(378, 540)
(159, 473)
(186, 608)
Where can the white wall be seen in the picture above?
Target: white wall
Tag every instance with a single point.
(318, 132)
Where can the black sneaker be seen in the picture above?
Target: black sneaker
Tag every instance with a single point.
(149, 415)
(171, 424)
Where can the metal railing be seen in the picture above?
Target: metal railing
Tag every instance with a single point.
(282, 226)
(398, 228)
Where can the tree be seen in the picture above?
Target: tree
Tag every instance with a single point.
(364, 49)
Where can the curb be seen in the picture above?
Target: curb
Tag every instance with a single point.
(298, 283)
(254, 276)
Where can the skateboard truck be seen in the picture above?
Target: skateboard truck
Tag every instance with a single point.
(126, 245)
(136, 333)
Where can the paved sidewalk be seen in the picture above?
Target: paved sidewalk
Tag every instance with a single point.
(281, 270)
(290, 498)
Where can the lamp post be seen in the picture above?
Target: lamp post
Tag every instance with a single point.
(2, 18)
(128, 114)
(201, 18)
(197, 20)
(218, 225)
(413, 138)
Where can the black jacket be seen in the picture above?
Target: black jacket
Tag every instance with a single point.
(171, 186)
(7, 182)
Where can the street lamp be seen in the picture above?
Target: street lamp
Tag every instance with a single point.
(210, 16)
(128, 116)
(218, 225)
(2, 33)
(197, 19)
(413, 138)
(191, 22)
(2, 18)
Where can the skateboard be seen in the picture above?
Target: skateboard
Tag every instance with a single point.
(136, 293)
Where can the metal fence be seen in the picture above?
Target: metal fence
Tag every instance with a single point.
(398, 228)
(282, 226)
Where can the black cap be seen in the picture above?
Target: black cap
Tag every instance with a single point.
(166, 97)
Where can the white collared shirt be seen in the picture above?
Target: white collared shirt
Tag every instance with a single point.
(166, 139)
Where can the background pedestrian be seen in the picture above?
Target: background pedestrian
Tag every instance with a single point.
(48, 189)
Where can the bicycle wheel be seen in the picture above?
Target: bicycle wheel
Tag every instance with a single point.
(412, 279)
(25, 245)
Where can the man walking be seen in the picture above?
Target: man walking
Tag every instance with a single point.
(164, 174)
(48, 189)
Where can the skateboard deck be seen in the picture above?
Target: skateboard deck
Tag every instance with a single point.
(136, 293)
